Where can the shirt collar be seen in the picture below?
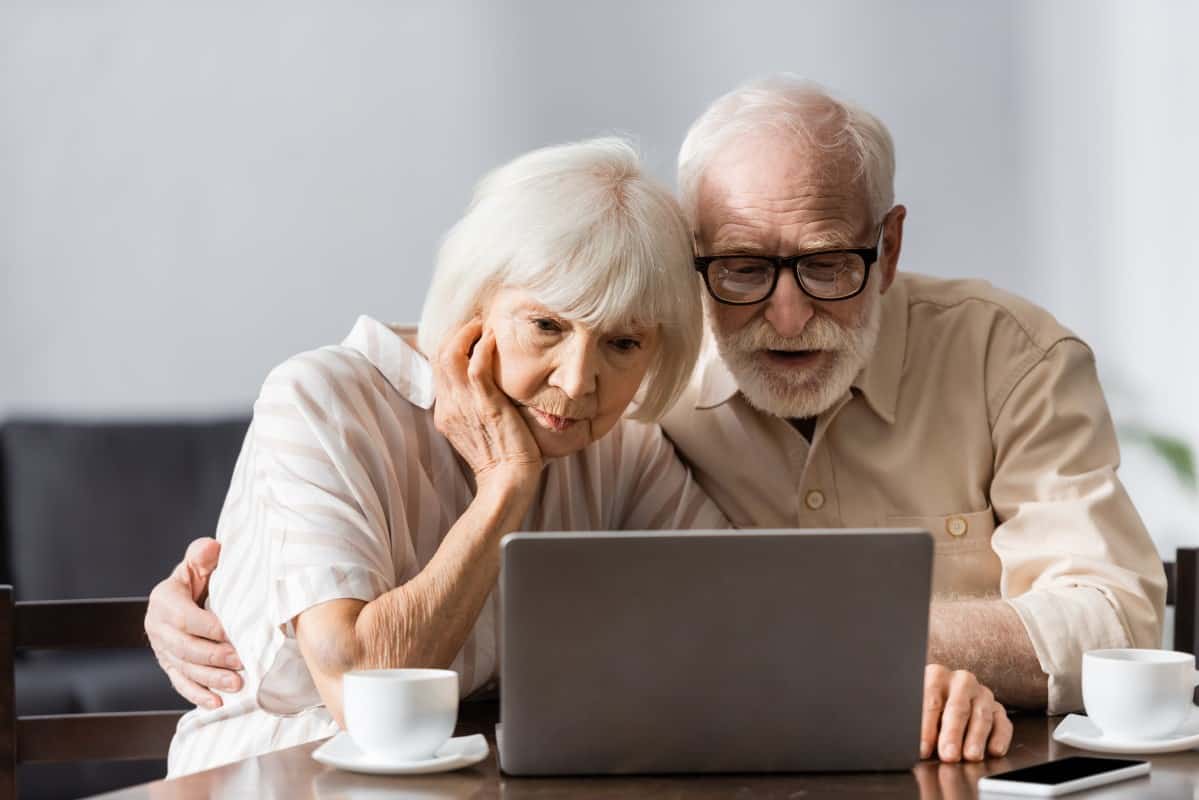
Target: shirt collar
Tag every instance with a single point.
(404, 367)
(878, 381)
(716, 384)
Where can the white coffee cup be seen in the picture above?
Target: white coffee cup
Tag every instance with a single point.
(400, 714)
(1138, 694)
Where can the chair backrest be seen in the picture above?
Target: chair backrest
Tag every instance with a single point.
(1182, 592)
(80, 497)
(72, 624)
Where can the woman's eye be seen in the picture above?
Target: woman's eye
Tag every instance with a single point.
(547, 325)
(626, 345)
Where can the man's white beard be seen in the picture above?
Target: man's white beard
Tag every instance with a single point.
(791, 392)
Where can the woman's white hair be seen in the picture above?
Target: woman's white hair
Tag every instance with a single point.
(792, 105)
(593, 239)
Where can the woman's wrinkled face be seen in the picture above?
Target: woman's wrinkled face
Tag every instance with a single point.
(569, 381)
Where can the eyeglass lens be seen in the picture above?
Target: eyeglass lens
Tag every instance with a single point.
(745, 279)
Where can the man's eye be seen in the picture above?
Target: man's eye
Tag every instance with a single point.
(823, 267)
(626, 345)
(547, 325)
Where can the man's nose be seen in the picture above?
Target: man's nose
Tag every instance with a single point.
(788, 309)
(575, 374)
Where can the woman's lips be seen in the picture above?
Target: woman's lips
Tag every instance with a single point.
(552, 422)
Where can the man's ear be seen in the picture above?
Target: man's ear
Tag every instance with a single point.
(892, 244)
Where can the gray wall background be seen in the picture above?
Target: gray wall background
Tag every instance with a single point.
(191, 192)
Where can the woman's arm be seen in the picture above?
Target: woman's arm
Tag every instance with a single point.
(426, 621)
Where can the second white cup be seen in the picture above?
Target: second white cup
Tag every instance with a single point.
(400, 714)
(1138, 694)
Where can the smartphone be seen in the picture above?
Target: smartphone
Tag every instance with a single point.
(1066, 775)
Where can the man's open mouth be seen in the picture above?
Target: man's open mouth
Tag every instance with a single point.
(796, 358)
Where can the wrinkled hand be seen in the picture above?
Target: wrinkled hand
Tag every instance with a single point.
(188, 640)
(961, 719)
(479, 420)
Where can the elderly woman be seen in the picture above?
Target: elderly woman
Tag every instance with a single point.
(362, 525)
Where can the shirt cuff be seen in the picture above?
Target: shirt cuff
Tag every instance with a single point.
(301, 589)
(287, 688)
(1063, 623)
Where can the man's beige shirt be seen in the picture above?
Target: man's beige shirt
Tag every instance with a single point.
(981, 419)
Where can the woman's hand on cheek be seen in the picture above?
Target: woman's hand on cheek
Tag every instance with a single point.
(480, 421)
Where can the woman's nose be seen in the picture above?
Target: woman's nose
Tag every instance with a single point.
(576, 372)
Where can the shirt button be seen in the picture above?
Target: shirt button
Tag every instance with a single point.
(814, 500)
(956, 527)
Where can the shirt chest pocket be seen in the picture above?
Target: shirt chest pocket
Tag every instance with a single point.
(964, 565)
(953, 533)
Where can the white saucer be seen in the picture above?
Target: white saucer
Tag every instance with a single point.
(462, 751)
(1079, 731)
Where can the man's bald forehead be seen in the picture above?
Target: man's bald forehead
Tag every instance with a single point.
(779, 178)
(834, 133)
(771, 155)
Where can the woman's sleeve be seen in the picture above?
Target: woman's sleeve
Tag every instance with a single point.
(328, 516)
(326, 467)
(655, 489)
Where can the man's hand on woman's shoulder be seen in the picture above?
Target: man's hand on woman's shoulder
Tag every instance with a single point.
(187, 639)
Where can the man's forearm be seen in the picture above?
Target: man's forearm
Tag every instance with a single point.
(987, 638)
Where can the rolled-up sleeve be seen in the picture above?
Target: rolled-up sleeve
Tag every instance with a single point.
(1078, 565)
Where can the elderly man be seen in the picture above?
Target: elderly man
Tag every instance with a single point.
(850, 394)
(860, 396)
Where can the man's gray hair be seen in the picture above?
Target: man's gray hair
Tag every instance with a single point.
(792, 105)
(593, 238)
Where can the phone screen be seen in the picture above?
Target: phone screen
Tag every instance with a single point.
(1064, 769)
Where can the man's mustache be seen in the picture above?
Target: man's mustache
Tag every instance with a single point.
(820, 333)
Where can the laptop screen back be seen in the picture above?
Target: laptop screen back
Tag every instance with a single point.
(712, 651)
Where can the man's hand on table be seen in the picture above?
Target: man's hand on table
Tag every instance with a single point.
(961, 719)
(188, 640)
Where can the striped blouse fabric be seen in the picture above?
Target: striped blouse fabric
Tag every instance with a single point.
(344, 489)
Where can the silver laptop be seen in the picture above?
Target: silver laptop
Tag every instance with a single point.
(698, 651)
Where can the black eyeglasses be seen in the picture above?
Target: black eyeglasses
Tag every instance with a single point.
(742, 280)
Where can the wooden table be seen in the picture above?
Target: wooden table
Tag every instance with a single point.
(293, 775)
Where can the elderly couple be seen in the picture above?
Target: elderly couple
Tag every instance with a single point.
(554, 385)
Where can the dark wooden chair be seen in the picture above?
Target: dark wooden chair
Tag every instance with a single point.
(1182, 592)
(72, 624)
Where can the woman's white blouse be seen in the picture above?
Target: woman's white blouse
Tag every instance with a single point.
(344, 489)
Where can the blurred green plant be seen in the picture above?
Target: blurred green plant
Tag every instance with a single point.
(1172, 449)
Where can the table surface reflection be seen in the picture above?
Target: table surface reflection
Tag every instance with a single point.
(294, 775)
